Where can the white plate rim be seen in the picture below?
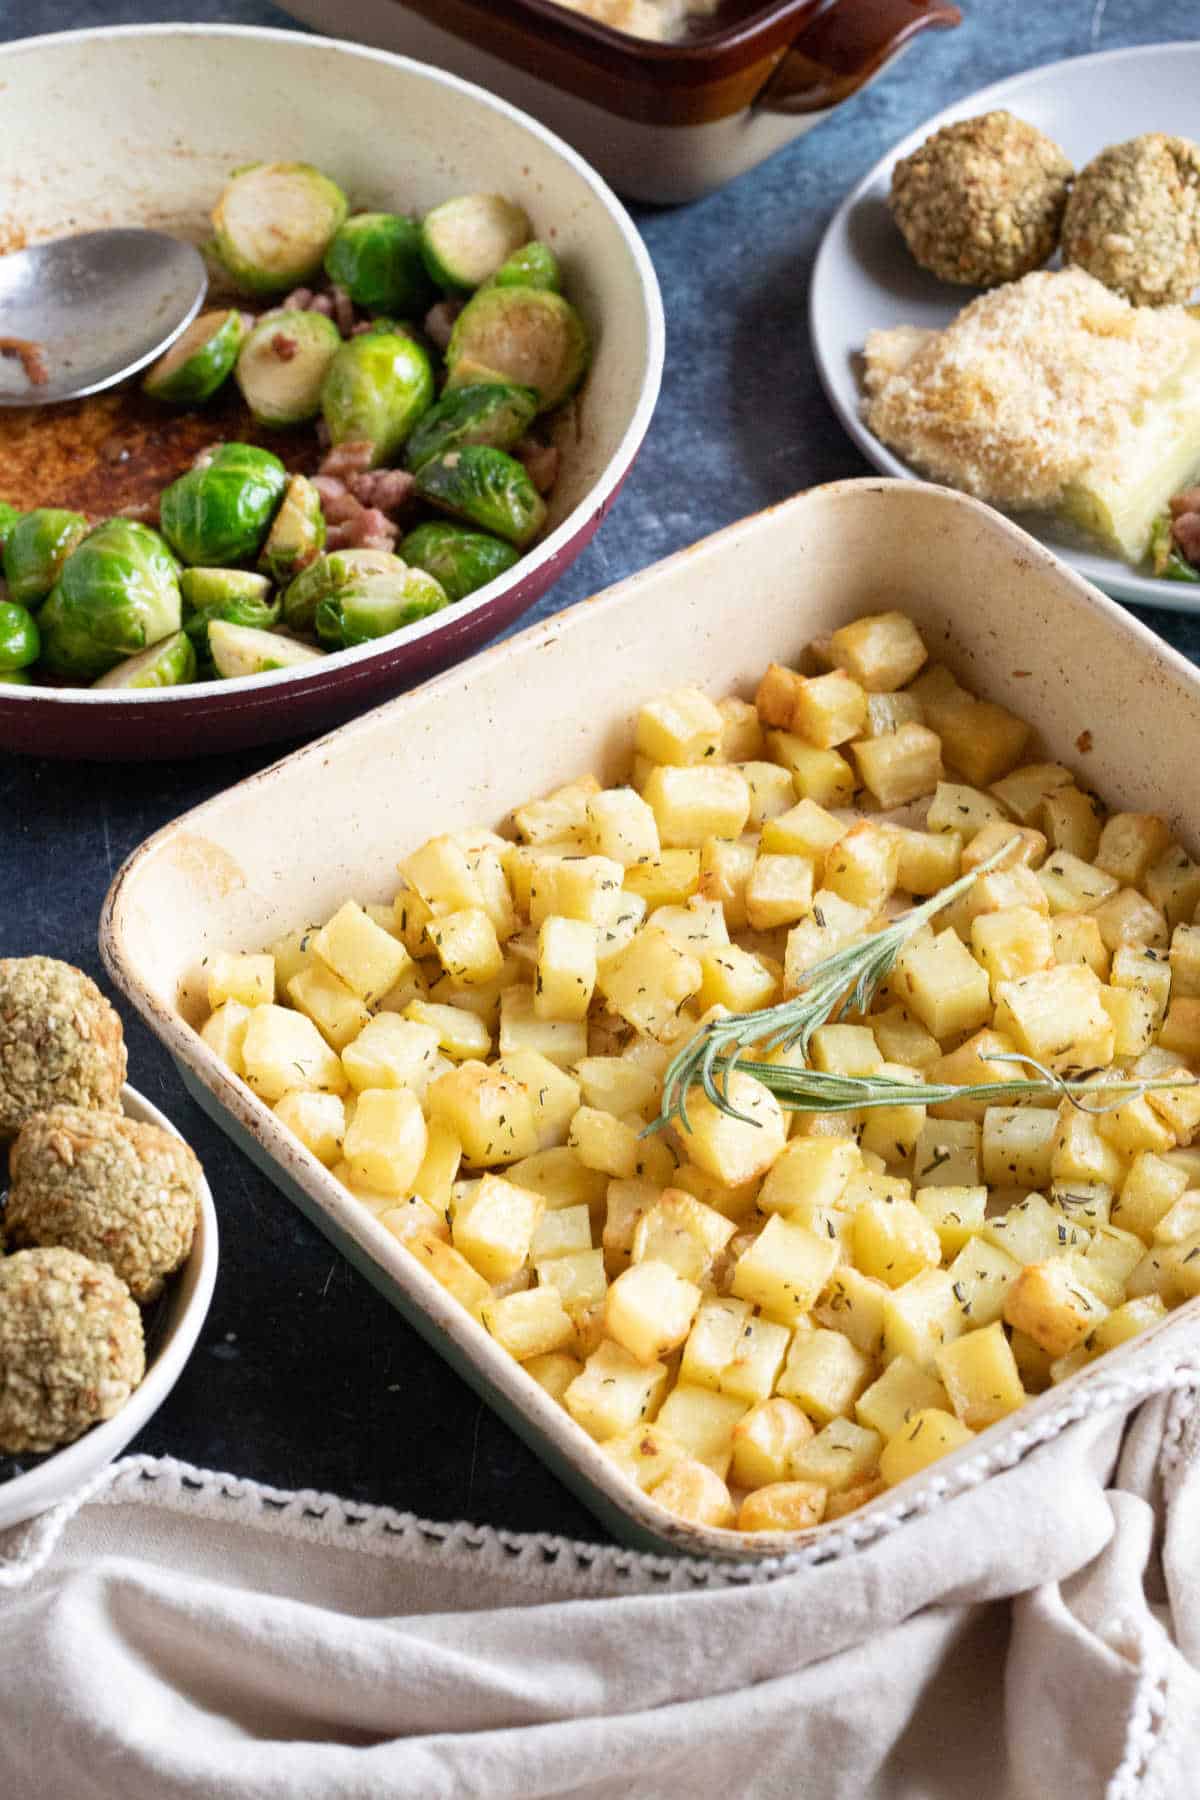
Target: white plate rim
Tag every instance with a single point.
(1106, 573)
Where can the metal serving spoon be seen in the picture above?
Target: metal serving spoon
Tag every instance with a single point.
(78, 314)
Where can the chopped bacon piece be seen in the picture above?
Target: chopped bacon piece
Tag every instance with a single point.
(439, 321)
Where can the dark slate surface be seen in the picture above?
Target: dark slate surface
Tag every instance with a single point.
(304, 1376)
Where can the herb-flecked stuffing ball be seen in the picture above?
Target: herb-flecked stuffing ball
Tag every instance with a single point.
(1133, 219)
(121, 1192)
(60, 1042)
(71, 1348)
(981, 202)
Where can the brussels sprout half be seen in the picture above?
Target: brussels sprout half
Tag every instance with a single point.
(328, 576)
(171, 663)
(236, 595)
(459, 559)
(283, 364)
(297, 535)
(220, 512)
(377, 387)
(20, 640)
(243, 650)
(9, 515)
(376, 257)
(484, 412)
(466, 239)
(377, 605)
(273, 224)
(199, 360)
(520, 334)
(36, 549)
(118, 594)
(534, 265)
(487, 487)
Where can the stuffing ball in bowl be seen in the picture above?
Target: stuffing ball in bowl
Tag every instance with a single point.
(60, 1042)
(71, 1349)
(1133, 219)
(115, 1190)
(981, 201)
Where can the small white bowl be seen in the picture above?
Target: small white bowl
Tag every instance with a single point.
(185, 1305)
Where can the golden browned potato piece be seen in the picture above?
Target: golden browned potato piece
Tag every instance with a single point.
(71, 1349)
(1133, 219)
(61, 1043)
(981, 202)
(118, 1191)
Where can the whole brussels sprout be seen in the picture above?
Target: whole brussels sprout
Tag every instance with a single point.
(168, 664)
(376, 605)
(36, 549)
(520, 334)
(488, 488)
(20, 640)
(9, 514)
(466, 239)
(297, 536)
(485, 412)
(283, 365)
(378, 386)
(236, 595)
(328, 576)
(534, 265)
(199, 360)
(220, 512)
(460, 560)
(273, 224)
(118, 594)
(376, 257)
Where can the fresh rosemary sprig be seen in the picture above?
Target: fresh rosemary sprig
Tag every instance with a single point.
(848, 977)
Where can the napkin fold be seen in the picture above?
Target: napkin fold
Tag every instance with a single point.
(173, 1632)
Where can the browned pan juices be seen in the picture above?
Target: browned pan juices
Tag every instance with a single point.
(117, 451)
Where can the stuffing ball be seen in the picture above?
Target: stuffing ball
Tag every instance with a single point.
(1133, 219)
(123, 1193)
(981, 202)
(71, 1349)
(60, 1041)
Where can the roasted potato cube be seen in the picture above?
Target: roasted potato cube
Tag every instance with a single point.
(1076, 939)
(775, 700)
(853, 1303)
(734, 1150)
(772, 791)
(893, 1241)
(1073, 886)
(680, 728)
(947, 1153)
(588, 888)
(742, 738)
(962, 810)
(1025, 847)
(650, 982)
(1057, 1017)
(645, 1454)
(249, 980)
(824, 1373)
(930, 1434)
(903, 1390)
(649, 1309)
(928, 860)
(1050, 1303)
(842, 1455)
(284, 1053)
(386, 1139)
(533, 1323)
(886, 713)
(450, 1268)
(1129, 843)
(224, 1031)
(690, 805)
(765, 1440)
(779, 891)
(460, 1033)
(391, 1051)
(724, 871)
(681, 1230)
(1133, 1014)
(784, 1269)
(862, 866)
(1173, 885)
(487, 1111)
(882, 651)
(939, 980)
(614, 1392)
(808, 1169)
(1149, 1191)
(467, 946)
(1071, 820)
(782, 1506)
(980, 1277)
(829, 710)
(981, 740)
(903, 1039)
(956, 1213)
(560, 817)
(1127, 917)
(981, 1376)
(1025, 791)
(580, 1279)
(334, 1009)
(901, 767)
(693, 1492)
(319, 1121)
(1012, 943)
(1018, 1146)
(821, 775)
(703, 1422)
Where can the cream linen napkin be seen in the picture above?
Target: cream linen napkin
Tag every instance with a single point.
(1032, 1636)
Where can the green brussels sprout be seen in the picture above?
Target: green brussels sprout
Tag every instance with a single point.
(36, 549)
(297, 536)
(219, 513)
(9, 515)
(243, 650)
(15, 678)
(377, 605)
(327, 576)
(378, 386)
(118, 594)
(534, 265)
(460, 560)
(1166, 558)
(170, 663)
(20, 640)
(273, 224)
(520, 334)
(199, 360)
(237, 595)
(467, 239)
(376, 257)
(283, 364)
(485, 412)
(486, 487)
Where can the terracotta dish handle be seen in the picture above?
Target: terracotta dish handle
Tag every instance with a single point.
(844, 47)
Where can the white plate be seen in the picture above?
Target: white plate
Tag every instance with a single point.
(50, 1479)
(865, 278)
